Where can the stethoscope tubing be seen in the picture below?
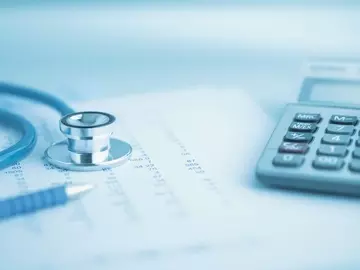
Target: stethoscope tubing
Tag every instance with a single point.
(27, 142)
(37, 96)
(24, 146)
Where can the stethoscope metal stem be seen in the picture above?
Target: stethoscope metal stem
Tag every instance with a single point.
(88, 136)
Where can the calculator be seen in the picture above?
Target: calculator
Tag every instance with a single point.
(316, 143)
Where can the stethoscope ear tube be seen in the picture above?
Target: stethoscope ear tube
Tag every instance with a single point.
(24, 146)
(37, 96)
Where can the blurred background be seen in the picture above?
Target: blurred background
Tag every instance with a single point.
(87, 49)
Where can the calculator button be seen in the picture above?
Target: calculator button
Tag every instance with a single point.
(343, 119)
(302, 127)
(355, 165)
(308, 117)
(288, 147)
(356, 153)
(332, 150)
(288, 160)
(336, 139)
(298, 137)
(340, 129)
(329, 163)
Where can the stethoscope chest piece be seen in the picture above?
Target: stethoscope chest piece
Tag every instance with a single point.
(89, 146)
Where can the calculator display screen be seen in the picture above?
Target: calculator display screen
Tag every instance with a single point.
(336, 92)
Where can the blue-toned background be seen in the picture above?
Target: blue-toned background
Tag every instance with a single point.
(82, 49)
(92, 49)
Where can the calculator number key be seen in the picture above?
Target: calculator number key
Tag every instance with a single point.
(336, 139)
(354, 165)
(298, 137)
(328, 163)
(332, 150)
(356, 153)
(288, 160)
(358, 142)
(302, 127)
(308, 117)
(340, 129)
(289, 147)
(343, 119)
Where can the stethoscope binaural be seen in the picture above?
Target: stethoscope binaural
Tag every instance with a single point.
(88, 145)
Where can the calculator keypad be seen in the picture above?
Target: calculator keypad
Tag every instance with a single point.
(297, 140)
(333, 145)
(314, 148)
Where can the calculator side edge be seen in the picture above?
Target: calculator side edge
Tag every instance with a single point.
(310, 184)
(261, 171)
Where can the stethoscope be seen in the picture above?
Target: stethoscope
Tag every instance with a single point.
(88, 145)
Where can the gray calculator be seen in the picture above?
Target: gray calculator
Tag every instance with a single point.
(316, 144)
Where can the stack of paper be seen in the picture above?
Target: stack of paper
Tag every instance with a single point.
(188, 197)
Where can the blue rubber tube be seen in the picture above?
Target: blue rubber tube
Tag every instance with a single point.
(26, 144)
(37, 96)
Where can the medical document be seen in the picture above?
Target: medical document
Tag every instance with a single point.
(188, 198)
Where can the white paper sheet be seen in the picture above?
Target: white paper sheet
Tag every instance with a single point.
(188, 197)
